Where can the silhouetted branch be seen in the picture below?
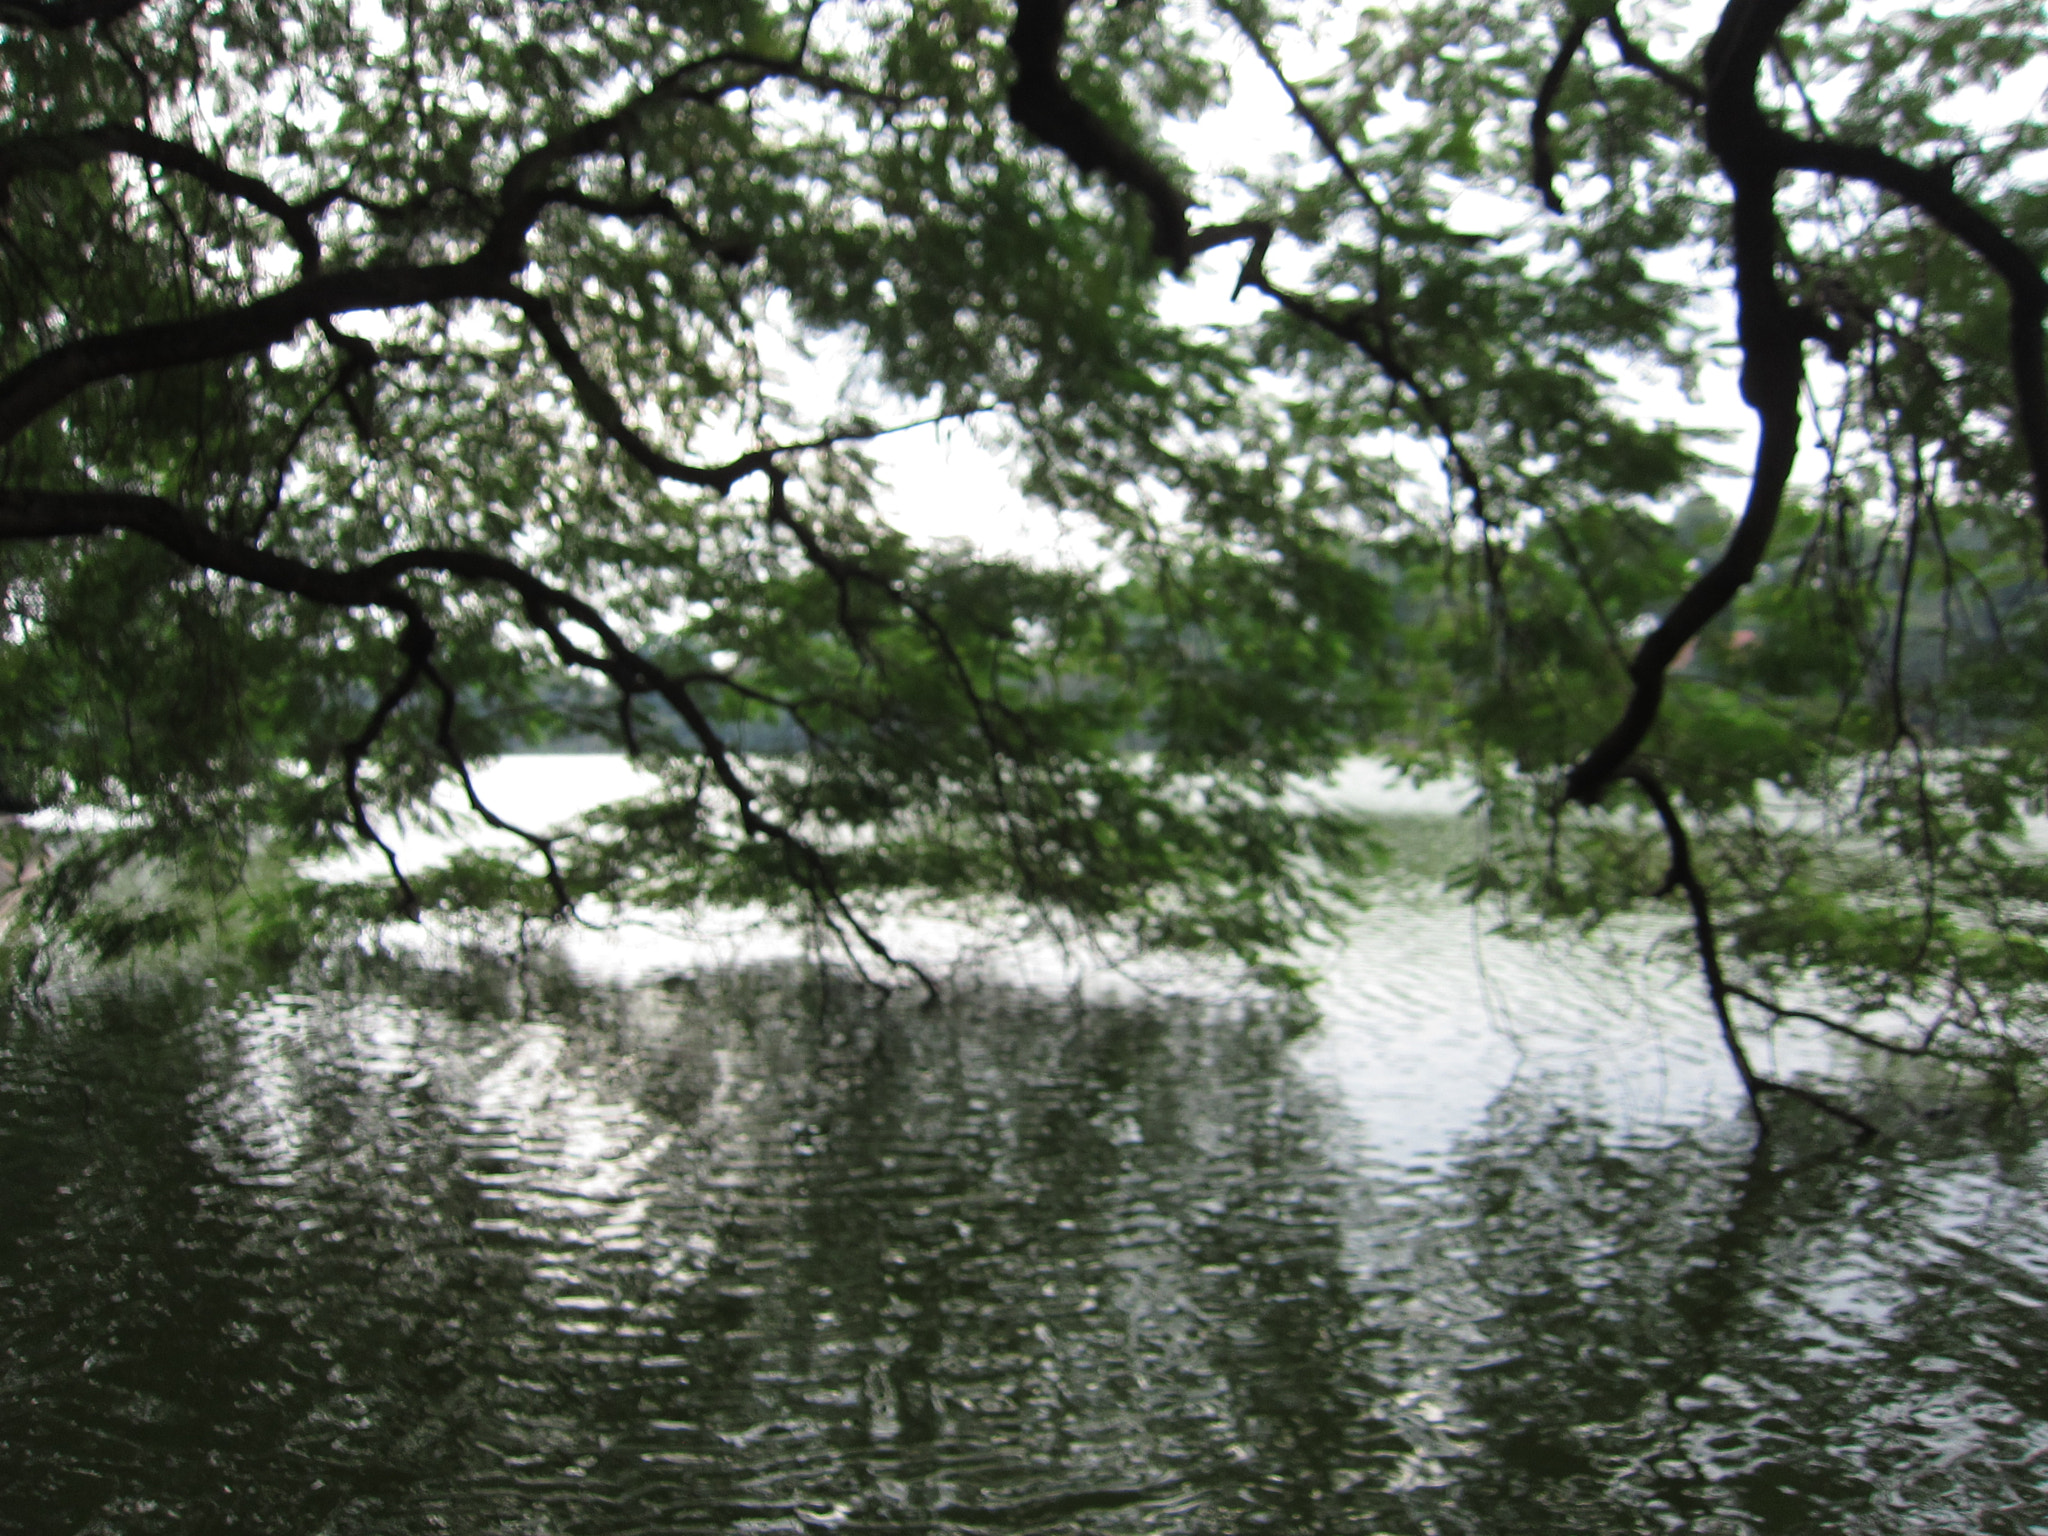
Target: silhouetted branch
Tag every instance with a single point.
(1542, 164)
(62, 151)
(844, 574)
(1044, 106)
(1332, 146)
(1771, 336)
(524, 193)
(1841, 1027)
(444, 737)
(1634, 56)
(45, 381)
(1684, 876)
(416, 642)
(43, 515)
(1933, 192)
(1753, 153)
(63, 15)
(1372, 335)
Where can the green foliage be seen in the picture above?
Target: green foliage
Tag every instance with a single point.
(1413, 503)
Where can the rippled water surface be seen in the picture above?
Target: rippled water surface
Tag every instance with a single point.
(1484, 1252)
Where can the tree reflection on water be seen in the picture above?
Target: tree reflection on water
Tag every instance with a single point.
(748, 1254)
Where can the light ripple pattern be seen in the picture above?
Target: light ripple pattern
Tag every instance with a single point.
(750, 1252)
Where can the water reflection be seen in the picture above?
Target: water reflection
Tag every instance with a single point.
(752, 1255)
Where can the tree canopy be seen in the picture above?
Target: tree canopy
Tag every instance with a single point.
(376, 369)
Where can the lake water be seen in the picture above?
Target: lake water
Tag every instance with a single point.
(666, 1246)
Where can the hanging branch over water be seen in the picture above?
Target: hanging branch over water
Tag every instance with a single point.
(528, 189)
(380, 585)
(1684, 876)
(579, 239)
(1754, 153)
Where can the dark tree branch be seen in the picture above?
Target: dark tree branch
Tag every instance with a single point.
(523, 195)
(1753, 153)
(1684, 876)
(416, 642)
(1933, 192)
(289, 455)
(1371, 334)
(41, 515)
(629, 730)
(64, 15)
(844, 574)
(735, 251)
(528, 186)
(1542, 163)
(1582, 573)
(45, 515)
(604, 412)
(1840, 1027)
(1332, 146)
(1771, 334)
(1044, 106)
(444, 737)
(1041, 26)
(62, 151)
(46, 381)
(1634, 56)
(1895, 682)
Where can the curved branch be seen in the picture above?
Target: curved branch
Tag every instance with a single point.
(1634, 56)
(1543, 167)
(526, 188)
(522, 196)
(61, 151)
(1684, 876)
(444, 737)
(1933, 192)
(1542, 164)
(734, 251)
(1837, 1026)
(417, 643)
(44, 515)
(1332, 146)
(1376, 343)
(1753, 153)
(843, 573)
(605, 412)
(1044, 106)
(44, 382)
(1772, 336)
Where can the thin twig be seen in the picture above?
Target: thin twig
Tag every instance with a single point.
(1684, 876)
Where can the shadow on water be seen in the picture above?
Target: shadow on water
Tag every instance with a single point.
(440, 1253)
